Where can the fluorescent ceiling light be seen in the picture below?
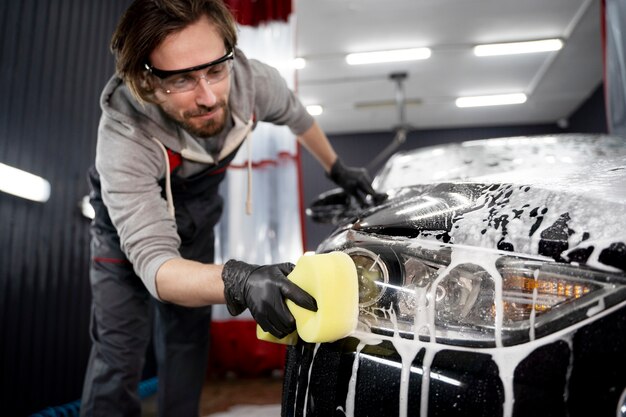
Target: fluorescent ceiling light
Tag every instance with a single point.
(511, 48)
(299, 63)
(315, 109)
(388, 56)
(23, 184)
(493, 100)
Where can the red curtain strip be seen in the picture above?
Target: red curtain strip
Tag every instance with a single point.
(257, 12)
(264, 162)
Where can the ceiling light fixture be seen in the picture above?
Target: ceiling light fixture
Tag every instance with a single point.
(23, 184)
(388, 56)
(315, 109)
(492, 100)
(511, 48)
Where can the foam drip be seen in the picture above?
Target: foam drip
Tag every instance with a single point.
(569, 339)
(306, 398)
(352, 384)
(531, 330)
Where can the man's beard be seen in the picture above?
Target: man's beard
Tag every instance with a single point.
(209, 127)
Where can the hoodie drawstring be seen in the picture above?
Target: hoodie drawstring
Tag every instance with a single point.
(168, 182)
(198, 158)
(249, 190)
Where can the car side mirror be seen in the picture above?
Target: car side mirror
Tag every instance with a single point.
(333, 206)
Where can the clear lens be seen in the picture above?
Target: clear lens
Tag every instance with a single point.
(532, 295)
(181, 83)
(372, 275)
(458, 292)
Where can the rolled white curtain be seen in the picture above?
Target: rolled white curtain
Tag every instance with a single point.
(272, 233)
(615, 19)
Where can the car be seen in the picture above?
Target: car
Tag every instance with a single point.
(492, 282)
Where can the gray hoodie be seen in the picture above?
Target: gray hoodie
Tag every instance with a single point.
(131, 161)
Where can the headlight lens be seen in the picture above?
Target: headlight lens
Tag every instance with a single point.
(372, 275)
(478, 300)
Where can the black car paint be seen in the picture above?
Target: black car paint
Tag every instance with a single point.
(540, 379)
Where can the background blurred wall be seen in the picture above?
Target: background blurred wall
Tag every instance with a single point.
(54, 61)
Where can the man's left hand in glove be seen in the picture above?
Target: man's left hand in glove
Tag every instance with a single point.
(356, 182)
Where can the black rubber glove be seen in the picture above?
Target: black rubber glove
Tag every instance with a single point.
(356, 182)
(263, 290)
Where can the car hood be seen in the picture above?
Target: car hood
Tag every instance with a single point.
(559, 197)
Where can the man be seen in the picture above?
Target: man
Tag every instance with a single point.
(183, 101)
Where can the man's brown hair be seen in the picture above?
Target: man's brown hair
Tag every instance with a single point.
(146, 23)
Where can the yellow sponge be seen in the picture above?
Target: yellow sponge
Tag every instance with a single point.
(331, 279)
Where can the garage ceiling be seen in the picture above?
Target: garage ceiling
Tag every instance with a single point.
(363, 98)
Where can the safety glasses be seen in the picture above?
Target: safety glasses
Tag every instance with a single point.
(182, 80)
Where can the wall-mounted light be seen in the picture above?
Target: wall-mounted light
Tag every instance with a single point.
(86, 208)
(315, 109)
(23, 184)
(492, 100)
(510, 48)
(396, 55)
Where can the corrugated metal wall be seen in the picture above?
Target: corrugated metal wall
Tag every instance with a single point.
(54, 60)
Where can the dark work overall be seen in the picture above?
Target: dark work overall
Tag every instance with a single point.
(121, 315)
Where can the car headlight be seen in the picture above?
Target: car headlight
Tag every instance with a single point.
(372, 275)
(467, 296)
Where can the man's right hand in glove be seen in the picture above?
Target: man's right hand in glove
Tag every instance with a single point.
(263, 290)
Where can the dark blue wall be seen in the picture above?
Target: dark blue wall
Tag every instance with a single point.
(54, 59)
(590, 117)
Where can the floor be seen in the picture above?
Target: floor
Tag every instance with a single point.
(230, 396)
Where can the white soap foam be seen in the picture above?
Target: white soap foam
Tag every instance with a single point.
(306, 398)
(531, 330)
